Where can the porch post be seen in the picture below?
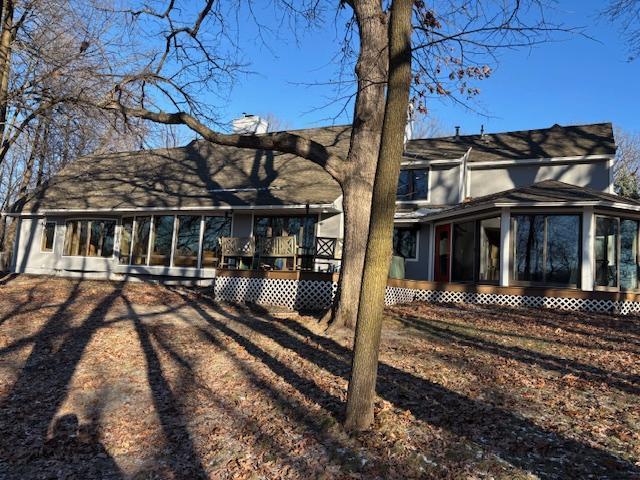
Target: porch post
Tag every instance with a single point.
(505, 245)
(431, 251)
(588, 247)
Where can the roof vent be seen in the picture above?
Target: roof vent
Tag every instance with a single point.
(249, 124)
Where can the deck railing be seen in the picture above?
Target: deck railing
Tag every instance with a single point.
(263, 251)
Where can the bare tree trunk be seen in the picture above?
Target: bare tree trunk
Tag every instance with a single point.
(6, 40)
(371, 71)
(31, 159)
(360, 397)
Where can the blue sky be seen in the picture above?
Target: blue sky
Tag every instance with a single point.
(578, 80)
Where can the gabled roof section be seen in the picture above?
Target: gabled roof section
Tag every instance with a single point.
(198, 175)
(554, 142)
(547, 192)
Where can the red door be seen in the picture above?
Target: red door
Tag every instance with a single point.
(443, 247)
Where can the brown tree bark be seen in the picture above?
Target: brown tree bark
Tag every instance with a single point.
(6, 41)
(371, 72)
(361, 393)
(355, 174)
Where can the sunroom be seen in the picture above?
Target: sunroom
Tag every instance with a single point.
(548, 235)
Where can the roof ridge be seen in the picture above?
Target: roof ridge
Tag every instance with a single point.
(554, 126)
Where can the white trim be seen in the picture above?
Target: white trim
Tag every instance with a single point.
(611, 177)
(595, 203)
(324, 207)
(462, 194)
(201, 241)
(587, 269)
(423, 160)
(55, 234)
(151, 241)
(505, 246)
(174, 239)
(539, 161)
(427, 163)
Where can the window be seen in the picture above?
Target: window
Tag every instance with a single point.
(140, 241)
(463, 252)
(89, 238)
(303, 228)
(187, 241)
(161, 240)
(628, 254)
(563, 248)
(413, 185)
(48, 234)
(214, 228)
(606, 244)
(126, 232)
(405, 242)
(546, 249)
(489, 269)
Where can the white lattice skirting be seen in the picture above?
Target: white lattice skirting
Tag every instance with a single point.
(318, 295)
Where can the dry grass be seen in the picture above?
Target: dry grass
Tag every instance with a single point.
(105, 380)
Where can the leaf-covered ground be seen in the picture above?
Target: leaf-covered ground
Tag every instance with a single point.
(109, 380)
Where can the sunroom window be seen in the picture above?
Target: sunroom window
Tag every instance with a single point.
(187, 241)
(48, 235)
(214, 229)
(89, 238)
(606, 243)
(546, 249)
(162, 239)
(489, 270)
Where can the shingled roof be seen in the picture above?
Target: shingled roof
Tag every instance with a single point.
(547, 192)
(195, 176)
(557, 141)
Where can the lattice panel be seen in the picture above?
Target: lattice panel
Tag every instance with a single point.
(399, 295)
(292, 294)
(318, 295)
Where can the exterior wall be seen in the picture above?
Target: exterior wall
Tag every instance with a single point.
(444, 185)
(494, 179)
(418, 269)
(330, 225)
(30, 259)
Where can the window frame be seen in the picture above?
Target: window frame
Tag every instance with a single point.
(426, 168)
(512, 250)
(174, 238)
(416, 229)
(619, 219)
(116, 235)
(44, 232)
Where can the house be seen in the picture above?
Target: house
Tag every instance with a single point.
(525, 209)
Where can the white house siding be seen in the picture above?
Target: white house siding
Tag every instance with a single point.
(444, 185)
(494, 179)
(329, 225)
(30, 259)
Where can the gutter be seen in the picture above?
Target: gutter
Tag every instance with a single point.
(324, 207)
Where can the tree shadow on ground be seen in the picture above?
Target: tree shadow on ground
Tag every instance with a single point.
(625, 382)
(512, 437)
(42, 385)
